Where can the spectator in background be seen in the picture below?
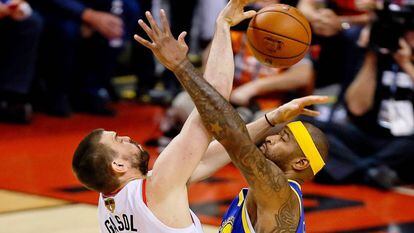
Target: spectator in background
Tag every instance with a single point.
(377, 146)
(20, 28)
(181, 16)
(78, 53)
(336, 25)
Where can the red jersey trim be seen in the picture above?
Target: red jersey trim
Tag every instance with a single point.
(144, 191)
(106, 195)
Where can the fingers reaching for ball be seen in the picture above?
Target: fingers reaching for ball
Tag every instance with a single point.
(169, 51)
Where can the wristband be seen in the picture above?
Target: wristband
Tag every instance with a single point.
(269, 121)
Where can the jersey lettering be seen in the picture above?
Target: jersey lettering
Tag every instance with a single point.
(121, 227)
(109, 227)
(124, 224)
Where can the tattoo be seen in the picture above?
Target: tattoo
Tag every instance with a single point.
(286, 220)
(224, 123)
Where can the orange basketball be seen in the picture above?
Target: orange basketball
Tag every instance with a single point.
(279, 35)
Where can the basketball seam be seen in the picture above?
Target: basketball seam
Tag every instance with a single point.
(251, 44)
(280, 35)
(306, 30)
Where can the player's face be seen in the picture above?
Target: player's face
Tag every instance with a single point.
(280, 148)
(127, 148)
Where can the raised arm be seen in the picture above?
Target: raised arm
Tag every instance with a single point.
(191, 143)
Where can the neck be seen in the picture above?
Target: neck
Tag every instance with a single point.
(292, 175)
(123, 181)
(126, 178)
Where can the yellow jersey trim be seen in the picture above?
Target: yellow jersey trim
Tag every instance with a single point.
(246, 227)
(297, 195)
(306, 144)
(241, 198)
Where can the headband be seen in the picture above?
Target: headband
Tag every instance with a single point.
(306, 144)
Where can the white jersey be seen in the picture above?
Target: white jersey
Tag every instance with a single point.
(126, 211)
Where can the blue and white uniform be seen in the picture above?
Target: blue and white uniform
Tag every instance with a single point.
(236, 219)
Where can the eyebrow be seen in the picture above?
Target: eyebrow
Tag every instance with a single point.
(287, 132)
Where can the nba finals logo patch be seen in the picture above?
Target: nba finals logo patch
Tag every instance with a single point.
(227, 226)
(110, 204)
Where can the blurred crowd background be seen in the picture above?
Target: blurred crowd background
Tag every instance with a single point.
(60, 57)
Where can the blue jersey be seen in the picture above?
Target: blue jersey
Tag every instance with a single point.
(236, 219)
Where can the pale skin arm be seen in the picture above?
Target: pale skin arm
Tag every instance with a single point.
(360, 94)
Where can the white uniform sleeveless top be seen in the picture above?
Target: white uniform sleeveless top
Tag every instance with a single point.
(127, 212)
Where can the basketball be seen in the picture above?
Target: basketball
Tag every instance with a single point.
(279, 35)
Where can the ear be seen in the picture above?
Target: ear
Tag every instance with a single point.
(301, 163)
(119, 166)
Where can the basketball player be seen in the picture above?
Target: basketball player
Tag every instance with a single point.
(130, 200)
(274, 171)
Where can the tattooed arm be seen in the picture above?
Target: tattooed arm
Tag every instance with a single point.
(220, 119)
(216, 156)
(274, 202)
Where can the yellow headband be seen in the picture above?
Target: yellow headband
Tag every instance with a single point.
(307, 145)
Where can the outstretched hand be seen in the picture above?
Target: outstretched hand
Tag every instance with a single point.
(296, 107)
(234, 13)
(169, 51)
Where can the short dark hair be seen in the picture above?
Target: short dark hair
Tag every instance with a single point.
(92, 164)
(320, 140)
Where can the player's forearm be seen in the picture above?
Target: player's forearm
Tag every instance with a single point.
(216, 155)
(217, 114)
(219, 70)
